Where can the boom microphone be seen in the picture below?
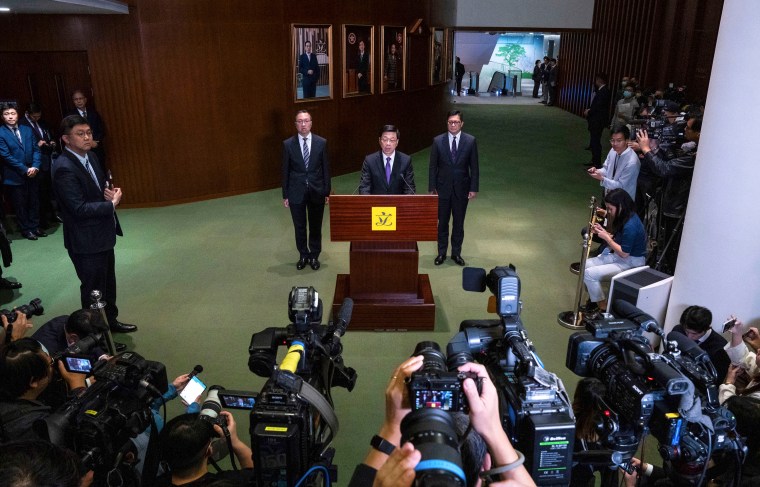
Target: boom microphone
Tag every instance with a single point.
(196, 370)
(686, 345)
(344, 316)
(474, 279)
(624, 309)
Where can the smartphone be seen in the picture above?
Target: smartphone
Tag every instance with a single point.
(237, 399)
(192, 390)
(729, 324)
(78, 365)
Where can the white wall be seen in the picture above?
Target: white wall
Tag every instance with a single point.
(546, 14)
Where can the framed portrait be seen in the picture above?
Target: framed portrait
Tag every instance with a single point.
(392, 42)
(358, 68)
(312, 62)
(437, 53)
(449, 55)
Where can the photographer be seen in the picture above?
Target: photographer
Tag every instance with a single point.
(186, 446)
(18, 329)
(39, 463)
(64, 331)
(398, 468)
(744, 367)
(696, 323)
(25, 372)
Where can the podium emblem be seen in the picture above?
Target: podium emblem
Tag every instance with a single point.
(383, 218)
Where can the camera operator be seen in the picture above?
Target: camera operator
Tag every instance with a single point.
(744, 364)
(25, 371)
(186, 446)
(63, 331)
(397, 469)
(19, 328)
(696, 323)
(39, 463)
(676, 169)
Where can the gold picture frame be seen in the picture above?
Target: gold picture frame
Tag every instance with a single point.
(393, 54)
(312, 71)
(437, 55)
(358, 66)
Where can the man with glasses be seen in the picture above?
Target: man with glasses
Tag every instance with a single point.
(387, 171)
(621, 168)
(87, 203)
(454, 178)
(306, 187)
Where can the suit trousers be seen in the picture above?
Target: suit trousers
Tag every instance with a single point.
(595, 141)
(97, 271)
(25, 199)
(311, 210)
(451, 207)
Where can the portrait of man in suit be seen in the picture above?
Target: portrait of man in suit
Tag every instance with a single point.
(306, 188)
(308, 66)
(387, 171)
(21, 159)
(358, 70)
(87, 204)
(454, 176)
(362, 68)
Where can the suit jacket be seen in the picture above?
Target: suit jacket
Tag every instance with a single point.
(17, 157)
(53, 335)
(599, 109)
(373, 175)
(305, 64)
(454, 177)
(90, 224)
(294, 173)
(714, 347)
(46, 151)
(459, 71)
(95, 122)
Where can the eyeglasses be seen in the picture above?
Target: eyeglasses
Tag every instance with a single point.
(82, 133)
(454, 122)
(303, 122)
(386, 140)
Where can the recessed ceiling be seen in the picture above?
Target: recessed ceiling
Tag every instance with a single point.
(64, 7)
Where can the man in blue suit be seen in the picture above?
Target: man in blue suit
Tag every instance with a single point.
(387, 171)
(306, 187)
(87, 203)
(21, 165)
(308, 66)
(454, 177)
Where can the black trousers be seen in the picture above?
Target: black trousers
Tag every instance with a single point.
(97, 271)
(25, 199)
(536, 85)
(448, 208)
(459, 86)
(595, 141)
(310, 211)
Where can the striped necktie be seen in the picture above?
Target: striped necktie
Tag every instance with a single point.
(305, 154)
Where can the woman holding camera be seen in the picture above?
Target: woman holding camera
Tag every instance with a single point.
(624, 247)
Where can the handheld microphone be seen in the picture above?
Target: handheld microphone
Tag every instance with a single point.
(196, 370)
(407, 184)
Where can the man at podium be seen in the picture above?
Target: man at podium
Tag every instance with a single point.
(387, 171)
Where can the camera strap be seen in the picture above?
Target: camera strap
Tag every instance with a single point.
(306, 391)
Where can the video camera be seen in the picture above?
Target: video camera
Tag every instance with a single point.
(673, 395)
(534, 406)
(658, 126)
(292, 421)
(34, 308)
(99, 424)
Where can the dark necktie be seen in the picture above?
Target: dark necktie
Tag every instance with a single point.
(89, 170)
(18, 136)
(388, 170)
(454, 149)
(37, 128)
(614, 168)
(84, 114)
(305, 154)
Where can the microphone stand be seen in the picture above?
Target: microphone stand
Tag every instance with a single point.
(100, 305)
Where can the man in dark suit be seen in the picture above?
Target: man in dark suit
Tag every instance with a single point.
(96, 124)
(308, 66)
(362, 68)
(87, 203)
(459, 74)
(306, 187)
(48, 149)
(454, 178)
(21, 166)
(387, 171)
(598, 116)
(696, 324)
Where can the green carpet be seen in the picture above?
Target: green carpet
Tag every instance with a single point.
(198, 279)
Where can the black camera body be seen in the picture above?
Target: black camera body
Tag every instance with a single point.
(435, 386)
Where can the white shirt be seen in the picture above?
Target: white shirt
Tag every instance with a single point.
(620, 171)
(385, 158)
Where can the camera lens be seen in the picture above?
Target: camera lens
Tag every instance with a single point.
(261, 362)
(433, 432)
(433, 358)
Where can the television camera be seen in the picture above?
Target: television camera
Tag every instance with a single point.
(658, 126)
(292, 420)
(672, 395)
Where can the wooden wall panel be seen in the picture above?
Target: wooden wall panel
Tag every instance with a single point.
(658, 41)
(198, 96)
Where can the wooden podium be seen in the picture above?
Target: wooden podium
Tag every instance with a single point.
(387, 291)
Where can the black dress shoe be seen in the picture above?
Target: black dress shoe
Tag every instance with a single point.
(575, 268)
(6, 284)
(40, 233)
(120, 347)
(314, 263)
(58, 219)
(30, 236)
(439, 260)
(301, 263)
(119, 327)
(458, 259)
